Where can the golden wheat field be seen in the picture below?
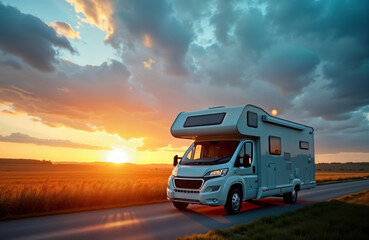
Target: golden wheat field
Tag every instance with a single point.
(39, 189)
(30, 192)
(319, 176)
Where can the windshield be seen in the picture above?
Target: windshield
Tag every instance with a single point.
(210, 153)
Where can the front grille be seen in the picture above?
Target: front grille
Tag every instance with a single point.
(188, 183)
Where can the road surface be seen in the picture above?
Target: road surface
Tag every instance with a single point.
(161, 221)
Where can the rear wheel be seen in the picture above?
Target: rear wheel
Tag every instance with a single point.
(234, 202)
(180, 205)
(291, 197)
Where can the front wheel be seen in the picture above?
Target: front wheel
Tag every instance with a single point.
(291, 197)
(234, 202)
(180, 205)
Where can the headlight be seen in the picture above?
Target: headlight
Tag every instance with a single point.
(217, 173)
(174, 172)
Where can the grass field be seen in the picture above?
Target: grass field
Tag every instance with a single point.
(29, 193)
(336, 219)
(39, 189)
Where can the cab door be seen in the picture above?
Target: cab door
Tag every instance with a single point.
(245, 166)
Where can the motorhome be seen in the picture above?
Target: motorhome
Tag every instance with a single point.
(240, 153)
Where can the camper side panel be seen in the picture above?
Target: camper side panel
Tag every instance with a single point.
(286, 154)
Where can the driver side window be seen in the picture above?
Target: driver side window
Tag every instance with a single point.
(245, 155)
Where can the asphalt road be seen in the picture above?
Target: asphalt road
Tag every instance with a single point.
(162, 221)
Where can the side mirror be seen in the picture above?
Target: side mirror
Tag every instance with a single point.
(175, 160)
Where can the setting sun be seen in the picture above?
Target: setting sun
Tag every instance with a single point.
(118, 155)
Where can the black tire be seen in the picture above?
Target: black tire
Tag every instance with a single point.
(234, 202)
(180, 205)
(291, 197)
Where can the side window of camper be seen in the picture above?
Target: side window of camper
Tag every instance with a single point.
(252, 119)
(274, 145)
(304, 145)
(245, 155)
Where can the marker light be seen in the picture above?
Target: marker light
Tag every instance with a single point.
(217, 173)
(274, 112)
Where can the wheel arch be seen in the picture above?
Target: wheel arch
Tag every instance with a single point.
(235, 181)
(237, 185)
(296, 184)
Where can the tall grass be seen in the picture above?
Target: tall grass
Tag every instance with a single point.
(36, 198)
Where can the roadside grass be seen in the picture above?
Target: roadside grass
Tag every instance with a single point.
(335, 219)
(361, 198)
(38, 193)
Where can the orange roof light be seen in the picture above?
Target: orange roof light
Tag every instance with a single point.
(274, 112)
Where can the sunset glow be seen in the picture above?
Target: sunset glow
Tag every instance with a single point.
(118, 155)
(89, 75)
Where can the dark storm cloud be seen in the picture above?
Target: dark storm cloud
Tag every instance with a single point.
(6, 59)
(253, 31)
(29, 38)
(338, 33)
(170, 39)
(325, 19)
(288, 67)
(223, 20)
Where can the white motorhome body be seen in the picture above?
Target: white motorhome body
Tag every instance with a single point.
(270, 156)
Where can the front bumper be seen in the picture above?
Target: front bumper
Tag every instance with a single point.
(210, 193)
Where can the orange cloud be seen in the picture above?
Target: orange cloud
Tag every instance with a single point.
(24, 138)
(148, 64)
(6, 111)
(65, 29)
(93, 98)
(97, 13)
(147, 41)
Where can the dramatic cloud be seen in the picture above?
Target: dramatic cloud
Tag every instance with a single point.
(308, 59)
(294, 68)
(24, 138)
(96, 13)
(88, 100)
(65, 29)
(29, 38)
(133, 23)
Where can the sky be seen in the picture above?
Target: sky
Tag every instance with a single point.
(90, 80)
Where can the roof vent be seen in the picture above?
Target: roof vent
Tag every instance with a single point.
(216, 107)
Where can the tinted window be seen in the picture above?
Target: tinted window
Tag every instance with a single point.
(210, 153)
(274, 145)
(204, 120)
(252, 119)
(304, 145)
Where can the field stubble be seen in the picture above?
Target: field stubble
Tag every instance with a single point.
(30, 193)
(35, 193)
